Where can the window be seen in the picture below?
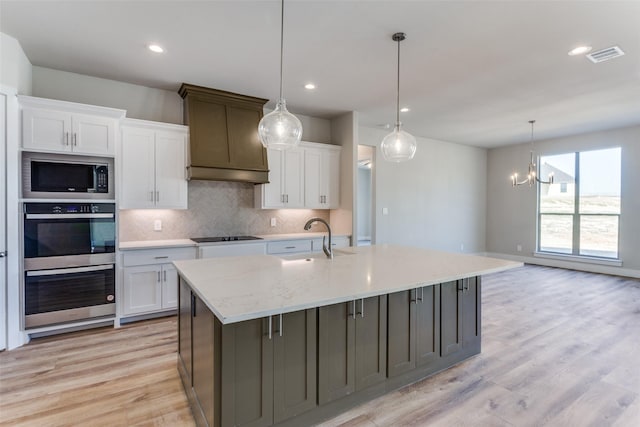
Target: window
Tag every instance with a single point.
(579, 214)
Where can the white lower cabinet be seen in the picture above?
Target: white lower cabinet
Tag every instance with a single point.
(150, 281)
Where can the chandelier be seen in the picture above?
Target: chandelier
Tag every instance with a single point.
(532, 175)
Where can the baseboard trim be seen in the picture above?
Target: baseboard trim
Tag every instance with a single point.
(571, 265)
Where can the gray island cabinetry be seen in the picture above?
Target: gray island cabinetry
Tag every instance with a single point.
(274, 341)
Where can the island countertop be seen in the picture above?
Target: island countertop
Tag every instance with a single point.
(250, 287)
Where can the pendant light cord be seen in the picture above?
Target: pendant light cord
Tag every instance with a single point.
(398, 89)
(281, 42)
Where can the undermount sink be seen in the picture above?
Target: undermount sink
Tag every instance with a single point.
(310, 256)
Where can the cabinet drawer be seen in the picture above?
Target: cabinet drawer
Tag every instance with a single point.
(156, 256)
(336, 243)
(289, 246)
(232, 249)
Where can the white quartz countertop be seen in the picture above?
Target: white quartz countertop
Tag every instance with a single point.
(155, 244)
(173, 243)
(298, 236)
(250, 287)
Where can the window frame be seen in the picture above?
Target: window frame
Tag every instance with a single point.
(576, 216)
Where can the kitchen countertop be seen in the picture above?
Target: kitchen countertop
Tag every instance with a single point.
(155, 244)
(254, 286)
(297, 236)
(174, 243)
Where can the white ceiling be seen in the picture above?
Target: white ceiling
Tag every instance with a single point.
(472, 72)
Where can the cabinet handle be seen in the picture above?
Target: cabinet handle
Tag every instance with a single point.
(282, 198)
(412, 295)
(161, 257)
(287, 197)
(157, 196)
(280, 328)
(353, 313)
(66, 136)
(164, 275)
(270, 326)
(289, 247)
(75, 139)
(193, 305)
(361, 312)
(158, 276)
(420, 298)
(151, 196)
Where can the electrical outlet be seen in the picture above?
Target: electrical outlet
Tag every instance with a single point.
(157, 225)
(519, 248)
(385, 211)
(273, 222)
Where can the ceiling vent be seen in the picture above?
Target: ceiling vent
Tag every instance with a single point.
(605, 54)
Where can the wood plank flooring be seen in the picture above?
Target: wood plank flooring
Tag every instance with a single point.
(560, 348)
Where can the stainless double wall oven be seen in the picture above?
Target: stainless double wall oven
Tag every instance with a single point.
(69, 262)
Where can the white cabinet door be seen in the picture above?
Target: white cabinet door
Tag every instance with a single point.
(293, 188)
(137, 189)
(93, 134)
(169, 286)
(48, 130)
(322, 178)
(312, 183)
(171, 184)
(142, 289)
(331, 180)
(272, 193)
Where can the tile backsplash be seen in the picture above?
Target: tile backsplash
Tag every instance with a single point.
(215, 209)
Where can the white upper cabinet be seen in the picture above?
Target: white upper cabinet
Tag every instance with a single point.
(67, 127)
(286, 180)
(304, 177)
(322, 177)
(153, 162)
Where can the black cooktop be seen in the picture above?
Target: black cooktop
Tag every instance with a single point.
(224, 239)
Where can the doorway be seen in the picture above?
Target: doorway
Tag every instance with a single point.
(3, 221)
(365, 233)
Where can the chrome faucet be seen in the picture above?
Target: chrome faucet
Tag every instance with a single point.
(328, 251)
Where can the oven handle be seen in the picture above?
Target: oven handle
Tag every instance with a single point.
(62, 216)
(36, 273)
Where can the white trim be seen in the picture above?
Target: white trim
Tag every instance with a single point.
(72, 107)
(578, 258)
(15, 336)
(147, 124)
(571, 265)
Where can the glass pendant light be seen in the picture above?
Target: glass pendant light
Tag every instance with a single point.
(280, 129)
(398, 146)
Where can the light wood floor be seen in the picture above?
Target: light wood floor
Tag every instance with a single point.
(560, 348)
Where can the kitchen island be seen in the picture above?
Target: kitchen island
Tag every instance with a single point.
(293, 340)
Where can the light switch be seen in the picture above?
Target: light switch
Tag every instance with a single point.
(273, 222)
(157, 225)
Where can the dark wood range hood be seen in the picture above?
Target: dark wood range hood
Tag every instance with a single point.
(223, 131)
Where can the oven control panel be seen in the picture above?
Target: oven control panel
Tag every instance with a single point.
(68, 208)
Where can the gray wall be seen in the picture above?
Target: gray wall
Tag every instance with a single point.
(511, 213)
(437, 200)
(15, 68)
(141, 102)
(364, 203)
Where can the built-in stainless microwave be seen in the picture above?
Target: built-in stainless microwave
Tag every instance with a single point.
(61, 176)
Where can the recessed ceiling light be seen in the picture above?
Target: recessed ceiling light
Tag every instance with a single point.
(310, 86)
(405, 109)
(580, 50)
(155, 48)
